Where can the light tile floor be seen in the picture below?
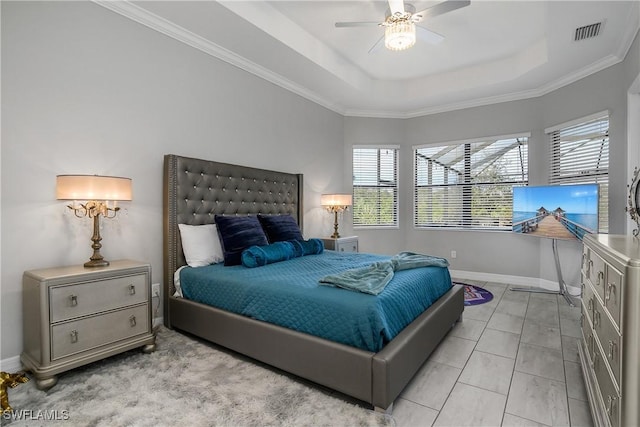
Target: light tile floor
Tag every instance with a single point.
(510, 362)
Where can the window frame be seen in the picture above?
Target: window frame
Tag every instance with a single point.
(597, 174)
(460, 143)
(396, 187)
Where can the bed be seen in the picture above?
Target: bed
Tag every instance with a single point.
(194, 191)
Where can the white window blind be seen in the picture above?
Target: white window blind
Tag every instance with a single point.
(375, 186)
(469, 184)
(580, 155)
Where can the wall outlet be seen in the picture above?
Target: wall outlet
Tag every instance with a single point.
(155, 290)
(454, 254)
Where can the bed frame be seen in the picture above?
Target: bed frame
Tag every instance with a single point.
(194, 191)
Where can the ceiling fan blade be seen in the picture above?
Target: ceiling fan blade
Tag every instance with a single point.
(356, 24)
(396, 7)
(376, 47)
(428, 35)
(440, 8)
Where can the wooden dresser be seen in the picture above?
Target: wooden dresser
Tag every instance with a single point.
(610, 345)
(76, 315)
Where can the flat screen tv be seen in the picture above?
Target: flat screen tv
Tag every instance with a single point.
(556, 211)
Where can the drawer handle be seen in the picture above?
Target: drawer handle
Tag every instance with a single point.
(596, 318)
(132, 321)
(132, 290)
(600, 275)
(610, 288)
(595, 360)
(74, 336)
(73, 299)
(611, 400)
(590, 304)
(612, 348)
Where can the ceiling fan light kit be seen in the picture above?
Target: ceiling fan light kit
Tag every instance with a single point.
(400, 23)
(400, 35)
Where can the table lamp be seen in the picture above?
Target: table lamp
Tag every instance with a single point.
(97, 192)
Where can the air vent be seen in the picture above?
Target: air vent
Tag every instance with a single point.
(588, 31)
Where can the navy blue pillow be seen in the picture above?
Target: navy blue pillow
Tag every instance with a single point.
(280, 228)
(238, 233)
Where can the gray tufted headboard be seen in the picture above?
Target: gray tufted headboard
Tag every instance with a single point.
(195, 190)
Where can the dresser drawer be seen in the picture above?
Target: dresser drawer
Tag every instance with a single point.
(92, 332)
(613, 294)
(597, 273)
(588, 301)
(609, 340)
(608, 392)
(587, 336)
(82, 299)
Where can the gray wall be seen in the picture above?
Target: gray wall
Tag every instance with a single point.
(497, 252)
(88, 91)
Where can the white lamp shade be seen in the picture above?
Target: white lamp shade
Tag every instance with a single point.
(336, 200)
(93, 187)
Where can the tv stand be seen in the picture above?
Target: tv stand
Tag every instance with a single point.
(561, 283)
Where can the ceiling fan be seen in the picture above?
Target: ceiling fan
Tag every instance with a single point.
(400, 24)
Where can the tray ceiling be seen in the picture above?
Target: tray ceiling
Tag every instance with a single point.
(493, 51)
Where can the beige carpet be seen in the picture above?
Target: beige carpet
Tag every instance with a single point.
(185, 382)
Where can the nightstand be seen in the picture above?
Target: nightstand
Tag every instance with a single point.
(76, 315)
(342, 244)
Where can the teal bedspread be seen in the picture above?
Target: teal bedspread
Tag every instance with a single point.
(288, 294)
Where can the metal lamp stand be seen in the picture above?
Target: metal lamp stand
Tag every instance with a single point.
(562, 285)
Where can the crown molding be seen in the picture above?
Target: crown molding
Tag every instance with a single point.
(631, 29)
(514, 96)
(155, 22)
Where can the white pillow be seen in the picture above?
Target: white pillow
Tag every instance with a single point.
(201, 244)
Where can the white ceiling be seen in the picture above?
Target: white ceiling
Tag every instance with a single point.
(493, 51)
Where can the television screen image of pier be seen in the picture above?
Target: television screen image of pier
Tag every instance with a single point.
(556, 211)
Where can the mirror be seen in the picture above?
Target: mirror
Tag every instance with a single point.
(634, 200)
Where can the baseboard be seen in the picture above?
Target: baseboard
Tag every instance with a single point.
(11, 364)
(533, 282)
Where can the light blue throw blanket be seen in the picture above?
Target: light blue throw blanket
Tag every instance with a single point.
(373, 278)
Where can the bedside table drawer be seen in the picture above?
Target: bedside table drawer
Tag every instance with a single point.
(86, 334)
(342, 244)
(70, 301)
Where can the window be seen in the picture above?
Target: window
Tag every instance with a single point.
(468, 184)
(580, 155)
(375, 186)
